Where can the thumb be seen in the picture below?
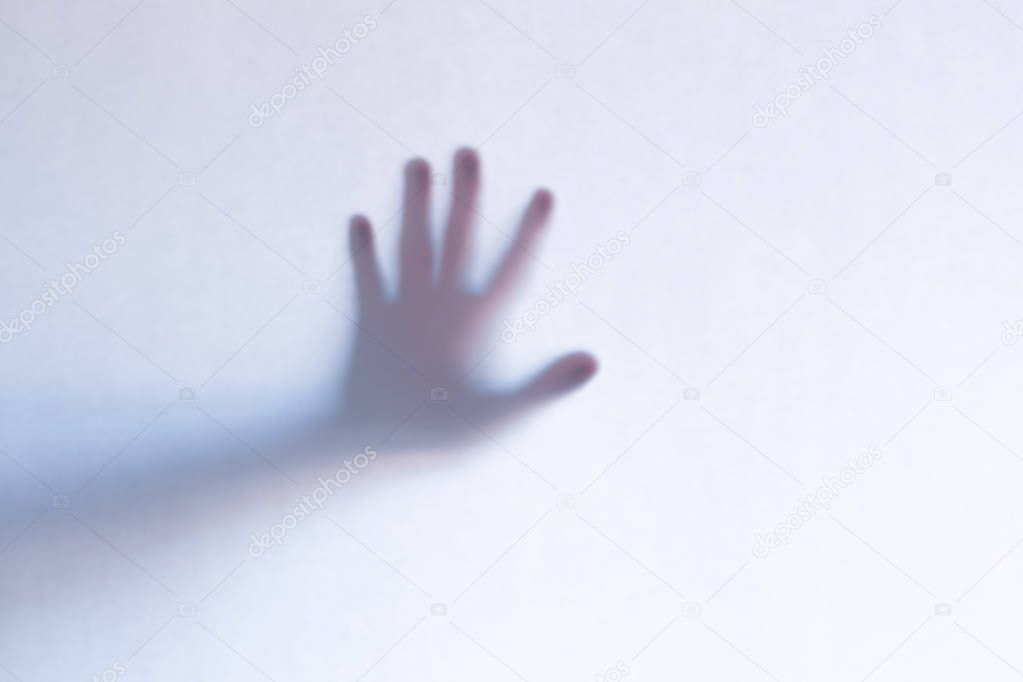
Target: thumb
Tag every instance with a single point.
(559, 377)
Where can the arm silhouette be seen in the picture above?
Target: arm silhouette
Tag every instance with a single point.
(425, 335)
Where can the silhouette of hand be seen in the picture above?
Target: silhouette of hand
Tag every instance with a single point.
(413, 357)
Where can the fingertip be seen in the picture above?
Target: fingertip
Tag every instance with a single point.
(565, 374)
(417, 172)
(543, 200)
(417, 165)
(580, 368)
(467, 162)
(539, 209)
(359, 231)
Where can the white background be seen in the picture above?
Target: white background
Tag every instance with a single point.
(104, 106)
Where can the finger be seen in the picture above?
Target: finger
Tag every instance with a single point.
(368, 281)
(561, 376)
(558, 378)
(416, 251)
(530, 229)
(461, 217)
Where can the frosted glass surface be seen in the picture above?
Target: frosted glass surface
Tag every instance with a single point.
(800, 457)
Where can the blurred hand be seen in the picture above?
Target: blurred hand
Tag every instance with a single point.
(426, 338)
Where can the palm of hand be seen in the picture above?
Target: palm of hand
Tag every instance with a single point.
(415, 352)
